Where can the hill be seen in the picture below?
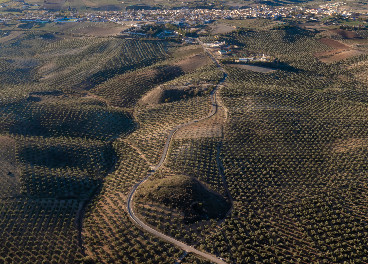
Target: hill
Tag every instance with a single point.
(187, 195)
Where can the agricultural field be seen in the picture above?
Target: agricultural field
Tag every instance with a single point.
(245, 163)
(291, 144)
(294, 153)
(78, 129)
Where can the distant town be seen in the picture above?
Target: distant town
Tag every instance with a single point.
(182, 17)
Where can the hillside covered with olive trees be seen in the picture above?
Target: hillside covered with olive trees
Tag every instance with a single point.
(242, 142)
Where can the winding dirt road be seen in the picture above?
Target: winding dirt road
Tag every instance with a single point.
(132, 215)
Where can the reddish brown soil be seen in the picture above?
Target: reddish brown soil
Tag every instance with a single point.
(339, 52)
(6, 141)
(345, 33)
(334, 43)
(341, 55)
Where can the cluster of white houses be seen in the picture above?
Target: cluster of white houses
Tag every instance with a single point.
(216, 44)
(223, 49)
(220, 47)
(262, 58)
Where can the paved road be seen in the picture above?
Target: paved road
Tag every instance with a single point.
(149, 229)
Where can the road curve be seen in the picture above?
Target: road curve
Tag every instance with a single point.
(172, 132)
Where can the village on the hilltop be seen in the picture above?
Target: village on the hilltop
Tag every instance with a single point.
(183, 17)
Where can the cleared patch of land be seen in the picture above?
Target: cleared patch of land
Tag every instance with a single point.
(252, 68)
(333, 43)
(341, 55)
(346, 34)
(185, 51)
(193, 62)
(222, 28)
(340, 51)
(100, 31)
(348, 145)
(254, 24)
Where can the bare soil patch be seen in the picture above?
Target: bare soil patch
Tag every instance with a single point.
(152, 97)
(192, 63)
(341, 55)
(222, 28)
(6, 141)
(311, 25)
(345, 33)
(98, 31)
(340, 51)
(186, 51)
(90, 3)
(252, 68)
(334, 43)
(351, 144)
(254, 24)
(53, 4)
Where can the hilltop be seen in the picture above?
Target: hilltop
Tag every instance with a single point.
(185, 194)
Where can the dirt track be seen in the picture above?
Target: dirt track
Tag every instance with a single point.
(130, 207)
